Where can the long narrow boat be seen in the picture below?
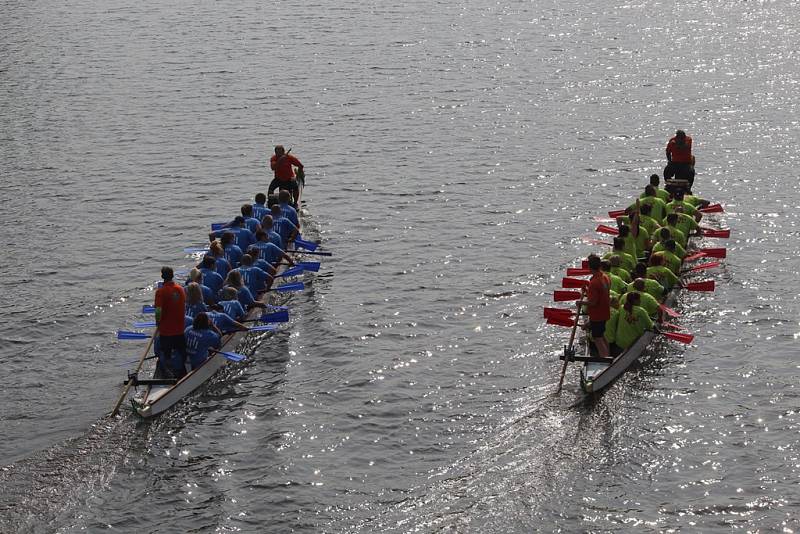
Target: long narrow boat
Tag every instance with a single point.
(159, 393)
(598, 373)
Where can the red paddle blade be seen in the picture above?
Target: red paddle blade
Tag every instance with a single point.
(574, 271)
(669, 311)
(717, 233)
(713, 208)
(708, 285)
(558, 312)
(703, 266)
(561, 321)
(695, 256)
(683, 338)
(561, 296)
(603, 229)
(714, 252)
(616, 213)
(573, 282)
(672, 325)
(584, 264)
(591, 241)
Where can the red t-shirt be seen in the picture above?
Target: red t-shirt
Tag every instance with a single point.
(172, 300)
(597, 291)
(680, 154)
(284, 170)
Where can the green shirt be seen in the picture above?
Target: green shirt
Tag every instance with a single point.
(611, 326)
(679, 250)
(617, 283)
(693, 200)
(670, 260)
(630, 326)
(687, 208)
(651, 287)
(622, 273)
(647, 302)
(626, 261)
(659, 207)
(663, 275)
(686, 224)
(641, 240)
(660, 193)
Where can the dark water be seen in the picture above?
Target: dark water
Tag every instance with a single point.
(456, 153)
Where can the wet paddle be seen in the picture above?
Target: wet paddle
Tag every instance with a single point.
(573, 283)
(575, 271)
(316, 253)
(562, 296)
(604, 229)
(714, 252)
(703, 266)
(127, 387)
(711, 232)
(707, 285)
(309, 245)
(712, 208)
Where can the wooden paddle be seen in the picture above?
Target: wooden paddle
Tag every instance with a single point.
(568, 349)
(128, 385)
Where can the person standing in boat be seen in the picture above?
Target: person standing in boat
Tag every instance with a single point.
(598, 304)
(283, 164)
(680, 161)
(170, 303)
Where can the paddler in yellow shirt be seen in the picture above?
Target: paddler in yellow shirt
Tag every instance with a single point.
(659, 272)
(655, 180)
(663, 235)
(618, 285)
(651, 286)
(627, 261)
(671, 260)
(632, 322)
(646, 300)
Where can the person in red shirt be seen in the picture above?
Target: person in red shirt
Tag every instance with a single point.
(680, 161)
(598, 303)
(170, 305)
(283, 164)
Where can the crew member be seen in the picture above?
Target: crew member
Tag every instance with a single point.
(283, 164)
(170, 302)
(598, 305)
(201, 338)
(680, 161)
(632, 321)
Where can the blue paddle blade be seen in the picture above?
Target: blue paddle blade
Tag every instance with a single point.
(195, 250)
(312, 266)
(263, 328)
(293, 271)
(233, 356)
(308, 245)
(277, 317)
(122, 334)
(148, 309)
(294, 286)
(274, 307)
(144, 324)
(217, 226)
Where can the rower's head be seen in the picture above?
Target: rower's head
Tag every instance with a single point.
(266, 222)
(167, 274)
(664, 233)
(649, 191)
(656, 260)
(284, 196)
(654, 180)
(640, 270)
(669, 244)
(605, 266)
(195, 275)
(638, 284)
(275, 210)
(678, 194)
(234, 279)
(247, 210)
(200, 322)
(229, 293)
(680, 135)
(261, 198)
(594, 262)
(613, 301)
(216, 249)
(615, 261)
(619, 244)
(279, 150)
(194, 295)
(632, 299)
(237, 221)
(672, 219)
(247, 260)
(208, 262)
(624, 231)
(645, 209)
(228, 238)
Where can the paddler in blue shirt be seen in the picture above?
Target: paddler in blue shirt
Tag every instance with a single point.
(260, 207)
(222, 265)
(232, 252)
(209, 295)
(250, 221)
(269, 252)
(225, 323)
(201, 337)
(283, 226)
(243, 237)
(256, 279)
(230, 304)
(274, 238)
(284, 200)
(211, 278)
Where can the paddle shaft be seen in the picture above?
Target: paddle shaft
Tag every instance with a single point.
(569, 345)
(138, 368)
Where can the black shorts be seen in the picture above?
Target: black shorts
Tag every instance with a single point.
(598, 328)
(291, 186)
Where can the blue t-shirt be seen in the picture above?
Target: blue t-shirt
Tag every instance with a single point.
(290, 213)
(193, 309)
(262, 264)
(252, 224)
(233, 308)
(259, 210)
(211, 280)
(269, 252)
(223, 321)
(197, 344)
(275, 238)
(284, 227)
(254, 278)
(222, 267)
(242, 236)
(233, 254)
